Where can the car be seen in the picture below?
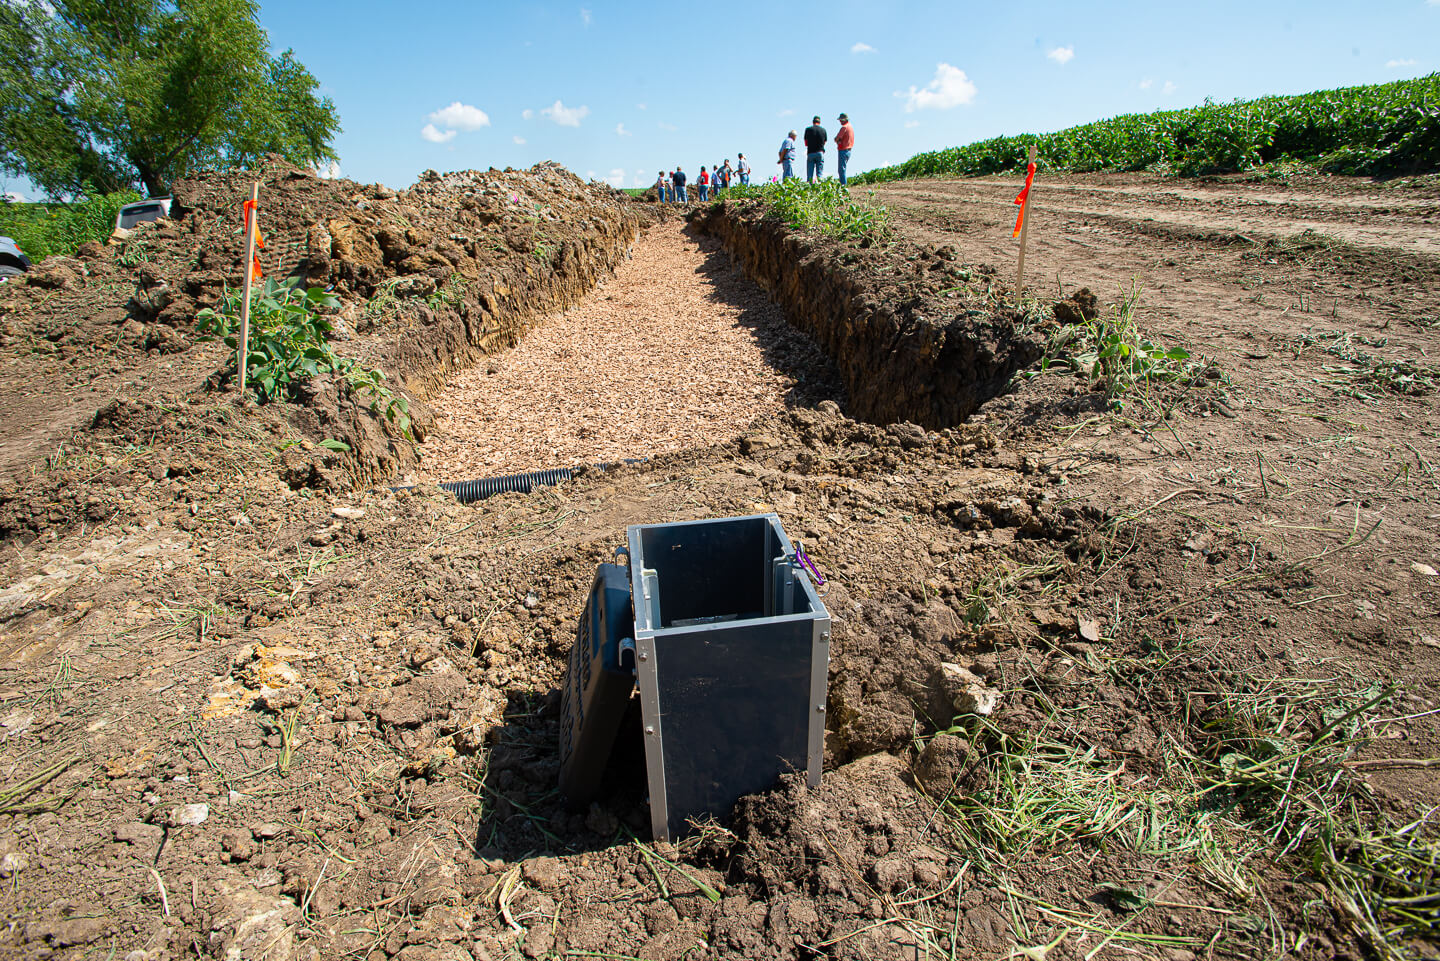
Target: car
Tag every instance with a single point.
(141, 211)
(13, 262)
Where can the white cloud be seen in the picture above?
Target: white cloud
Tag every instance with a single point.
(1062, 55)
(1401, 63)
(616, 178)
(1169, 88)
(328, 171)
(620, 130)
(641, 106)
(460, 116)
(912, 123)
(950, 88)
(585, 16)
(14, 198)
(435, 135)
(566, 116)
(862, 48)
(787, 112)
(527, 114)
(1146, 84)
(668, 126)
(518, 139)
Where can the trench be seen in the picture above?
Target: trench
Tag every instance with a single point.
(679, 350)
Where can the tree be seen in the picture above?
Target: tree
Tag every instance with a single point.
(102, 94)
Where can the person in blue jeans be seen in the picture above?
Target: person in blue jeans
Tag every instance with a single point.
(844, 143)
(704, 184)
(678, 179)
(743, 169)
(787, 156)
(815, 140)
(662, 186)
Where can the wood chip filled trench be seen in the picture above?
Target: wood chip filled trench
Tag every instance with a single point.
(668, 355)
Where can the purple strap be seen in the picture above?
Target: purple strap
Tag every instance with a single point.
(808, 564)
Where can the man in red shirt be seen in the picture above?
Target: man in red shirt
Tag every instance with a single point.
(844, 142)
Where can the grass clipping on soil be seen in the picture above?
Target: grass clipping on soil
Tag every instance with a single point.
(1267, 773)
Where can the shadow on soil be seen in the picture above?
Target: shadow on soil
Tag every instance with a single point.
(784, 348)
(523, 812)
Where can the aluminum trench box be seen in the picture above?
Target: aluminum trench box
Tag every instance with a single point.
(732, 655)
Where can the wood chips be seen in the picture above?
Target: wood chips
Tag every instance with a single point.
(666, 356)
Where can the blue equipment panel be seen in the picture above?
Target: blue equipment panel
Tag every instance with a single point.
(598, 684)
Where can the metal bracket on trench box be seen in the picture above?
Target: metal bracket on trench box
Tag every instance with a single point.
(729, 648)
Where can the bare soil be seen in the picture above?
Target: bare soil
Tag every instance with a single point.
(203, 606)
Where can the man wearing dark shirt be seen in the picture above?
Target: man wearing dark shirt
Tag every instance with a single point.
(815, 140)
(679, 179)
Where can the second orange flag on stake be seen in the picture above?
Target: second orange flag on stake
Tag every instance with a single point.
(1023, 198)
(250, 207)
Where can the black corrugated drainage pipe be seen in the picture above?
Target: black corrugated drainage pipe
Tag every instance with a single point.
(468, 492)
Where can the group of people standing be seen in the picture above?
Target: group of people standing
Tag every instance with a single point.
(815, 139)
(673, 187)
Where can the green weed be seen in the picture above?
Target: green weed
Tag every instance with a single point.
(289, 343)
(136, 252)
(383, 303)
(1118, 358)
(289, 727)
(825, 206)
(448, 294)
(43, 230)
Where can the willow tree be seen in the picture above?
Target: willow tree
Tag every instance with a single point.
(104, 94)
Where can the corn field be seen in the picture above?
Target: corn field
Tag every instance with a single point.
(1383, 129)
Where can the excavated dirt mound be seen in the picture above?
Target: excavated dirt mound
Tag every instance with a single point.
(428, 279)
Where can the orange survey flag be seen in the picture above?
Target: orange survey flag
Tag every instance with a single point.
(1024, 198)
(249, 207)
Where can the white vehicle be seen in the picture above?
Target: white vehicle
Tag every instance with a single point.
(13, 262)
(141, 211)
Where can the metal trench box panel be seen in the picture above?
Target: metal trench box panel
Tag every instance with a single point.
(732, 651)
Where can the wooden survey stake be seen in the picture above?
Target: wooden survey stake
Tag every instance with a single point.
(1023, 224)
(252, 228)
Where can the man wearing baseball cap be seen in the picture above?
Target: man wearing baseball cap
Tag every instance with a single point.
(815, 140)
(844, 141)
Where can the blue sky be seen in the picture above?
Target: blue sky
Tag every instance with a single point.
(620, 90)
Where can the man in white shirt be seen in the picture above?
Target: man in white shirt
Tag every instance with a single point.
(787, 156)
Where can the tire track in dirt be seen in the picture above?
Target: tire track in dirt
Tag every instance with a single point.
(678, 351)
(1388, 223)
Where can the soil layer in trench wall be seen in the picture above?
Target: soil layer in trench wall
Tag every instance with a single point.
(916, 335)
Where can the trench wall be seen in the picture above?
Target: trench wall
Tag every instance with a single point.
(906, 352)
(469, 262)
